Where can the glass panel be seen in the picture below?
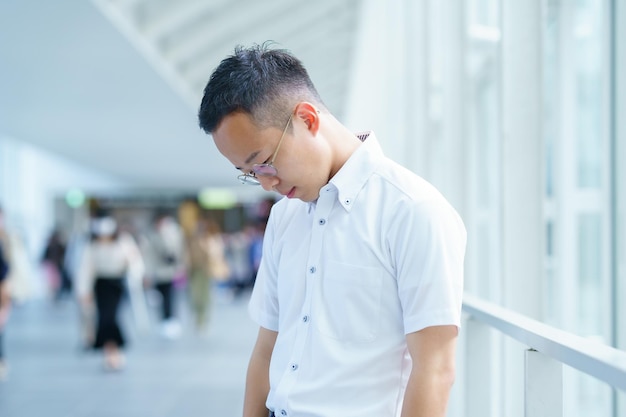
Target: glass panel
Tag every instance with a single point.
(588, 44)
(487, 139)
(484, 12)
(591, 303)
(593, 398)
(551, 77)
(483, 119)
(578, 226)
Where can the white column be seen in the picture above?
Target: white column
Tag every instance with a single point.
(522, 182)
(387, 92)
(450, 159)
(543, 386)
(416, 108)
(479, 361)
(620, 125)
(370, 94)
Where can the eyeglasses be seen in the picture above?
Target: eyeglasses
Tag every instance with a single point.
(266, 169)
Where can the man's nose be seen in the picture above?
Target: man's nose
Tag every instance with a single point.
(268, 183)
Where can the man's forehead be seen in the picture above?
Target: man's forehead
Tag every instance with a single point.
(238, 139)
(233, 128)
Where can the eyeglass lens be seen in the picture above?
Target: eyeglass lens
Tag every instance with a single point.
(264, 170)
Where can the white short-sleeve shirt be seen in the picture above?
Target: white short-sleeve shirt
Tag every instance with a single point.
(343, 280)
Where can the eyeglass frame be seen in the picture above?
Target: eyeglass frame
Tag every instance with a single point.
(250, 178)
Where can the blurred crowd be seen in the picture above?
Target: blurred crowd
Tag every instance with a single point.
(154, 260)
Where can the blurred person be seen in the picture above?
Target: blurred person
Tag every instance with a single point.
(255, 230)
(237, 252)
(53, 260)
(188, 213)
(358, 295)
(262, 210)
(5, 298)
(206, 264)
(108, 260)
(21, 273)
(78, 241)
(163, 249)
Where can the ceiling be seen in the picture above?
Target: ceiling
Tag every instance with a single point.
(115, 84)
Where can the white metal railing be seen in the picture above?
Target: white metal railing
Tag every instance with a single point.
(549, 349)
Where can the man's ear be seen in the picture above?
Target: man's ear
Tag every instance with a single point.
(308, 113)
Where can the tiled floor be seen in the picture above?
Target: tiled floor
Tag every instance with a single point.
(192, 376)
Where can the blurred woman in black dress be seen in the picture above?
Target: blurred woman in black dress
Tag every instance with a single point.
(109, 259)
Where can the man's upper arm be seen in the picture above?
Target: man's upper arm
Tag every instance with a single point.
(266, 339)
(432, 374)
(433, 348)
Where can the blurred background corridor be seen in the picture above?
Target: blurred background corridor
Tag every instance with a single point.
(515, 110)
(193, 375)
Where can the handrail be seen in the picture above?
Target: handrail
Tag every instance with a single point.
(593, 358)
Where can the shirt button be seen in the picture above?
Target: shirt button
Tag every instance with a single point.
(347, 201)
(322, 222)
(305, 319)
(312, 269)
(294, 366)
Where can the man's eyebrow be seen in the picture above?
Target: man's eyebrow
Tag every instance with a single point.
(251, 157)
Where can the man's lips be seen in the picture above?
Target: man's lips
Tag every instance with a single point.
(288, 194)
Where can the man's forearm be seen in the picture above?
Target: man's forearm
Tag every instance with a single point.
(427, 395)
(257, 388)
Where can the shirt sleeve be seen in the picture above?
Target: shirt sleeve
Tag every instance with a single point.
(428, 250)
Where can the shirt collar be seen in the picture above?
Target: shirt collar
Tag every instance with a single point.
(353, 175)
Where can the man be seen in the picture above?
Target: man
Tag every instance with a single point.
(358, 294)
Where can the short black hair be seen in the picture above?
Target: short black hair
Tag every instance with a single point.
(262, 82)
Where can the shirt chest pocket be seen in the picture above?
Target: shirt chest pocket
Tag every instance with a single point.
(349, 302)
